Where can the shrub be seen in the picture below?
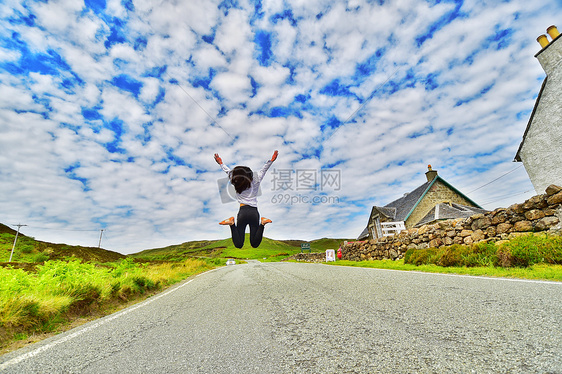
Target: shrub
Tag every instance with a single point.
(40, 257)
(142, 283)
(481, 254)
(550, 248)
(452, 256)
(505, 258)
(6, 238)
(27, 248)
(408, 256)
(531, 249)
(421, 256)
(124, 266)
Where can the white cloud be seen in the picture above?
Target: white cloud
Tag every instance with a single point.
(232, 86)
(162, 189)
(233, 34)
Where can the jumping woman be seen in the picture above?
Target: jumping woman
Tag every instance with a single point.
(246, 186)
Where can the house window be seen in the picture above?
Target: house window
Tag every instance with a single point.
(375, 228)
(378, 227)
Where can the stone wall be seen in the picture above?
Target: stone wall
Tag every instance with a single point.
(539, 213)
(309, 257)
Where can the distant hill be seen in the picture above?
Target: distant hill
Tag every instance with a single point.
(270, 249)
(6, 230)
(30, 250)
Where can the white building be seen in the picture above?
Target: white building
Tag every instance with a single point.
(541, 147)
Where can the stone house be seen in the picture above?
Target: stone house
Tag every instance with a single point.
(433, 201)
(541, 147)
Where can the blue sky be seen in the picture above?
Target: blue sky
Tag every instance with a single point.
(111, 111)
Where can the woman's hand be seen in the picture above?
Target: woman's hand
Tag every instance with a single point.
(218, 159)
(274, 157)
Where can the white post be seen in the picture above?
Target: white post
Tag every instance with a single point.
(15, 241)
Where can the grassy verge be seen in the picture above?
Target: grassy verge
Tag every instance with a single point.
(60, 292)
(536, 272)
(532, 256)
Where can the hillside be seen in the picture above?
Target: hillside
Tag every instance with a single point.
(270, 249)
(29, 250)
(7, 230)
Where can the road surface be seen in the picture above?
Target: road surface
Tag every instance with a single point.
(313, 318)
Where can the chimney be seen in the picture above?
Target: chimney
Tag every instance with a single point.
(551, 53)
(553, 32)
(430, 174)
(543, 40)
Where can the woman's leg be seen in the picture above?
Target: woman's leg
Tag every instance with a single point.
(256, 230)
(237, 236)
(244, 218)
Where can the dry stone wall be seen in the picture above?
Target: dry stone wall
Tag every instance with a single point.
(539, 213)
(309, 257)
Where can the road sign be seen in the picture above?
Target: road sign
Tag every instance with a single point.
(305, 247)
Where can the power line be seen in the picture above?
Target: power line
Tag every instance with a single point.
(501, 176)
(199, 105)
(503, 197)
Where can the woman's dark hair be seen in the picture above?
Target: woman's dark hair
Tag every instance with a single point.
(241, 178)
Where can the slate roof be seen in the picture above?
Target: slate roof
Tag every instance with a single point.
(364, 234)
(404, 205)
(389, 212)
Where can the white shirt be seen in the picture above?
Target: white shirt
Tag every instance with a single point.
(250, 195)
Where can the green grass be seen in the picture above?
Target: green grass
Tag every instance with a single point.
(60, 291)
(537, 272)
(269, 250)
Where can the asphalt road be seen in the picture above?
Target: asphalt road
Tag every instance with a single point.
(306, 318)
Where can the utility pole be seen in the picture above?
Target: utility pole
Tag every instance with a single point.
(15, 240)
(101, 233)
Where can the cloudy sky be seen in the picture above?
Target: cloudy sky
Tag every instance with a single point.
(111, 111)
